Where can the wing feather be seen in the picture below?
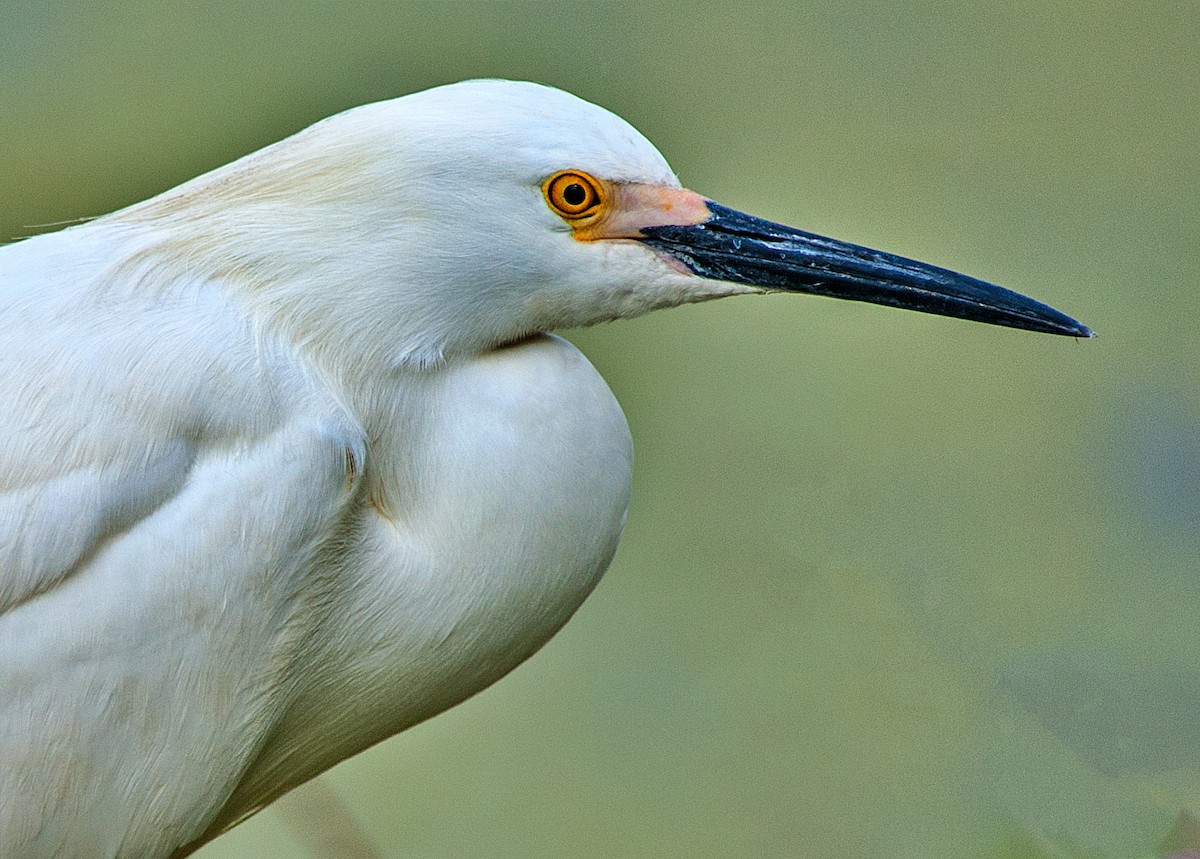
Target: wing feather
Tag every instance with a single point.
(168, 481)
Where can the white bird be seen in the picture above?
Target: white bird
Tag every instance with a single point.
(290, 462)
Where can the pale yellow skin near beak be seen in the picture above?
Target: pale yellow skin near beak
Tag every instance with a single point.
(631, 207)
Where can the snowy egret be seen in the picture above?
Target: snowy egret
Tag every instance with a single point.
(291, 463)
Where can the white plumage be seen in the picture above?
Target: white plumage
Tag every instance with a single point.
(289, 463)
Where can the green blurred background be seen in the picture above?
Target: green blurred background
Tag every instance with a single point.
(892, 585)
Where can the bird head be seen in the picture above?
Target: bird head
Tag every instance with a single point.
(453, 220)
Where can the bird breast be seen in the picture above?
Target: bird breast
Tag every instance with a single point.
(503, 510)
(486, 517)
(519, 487)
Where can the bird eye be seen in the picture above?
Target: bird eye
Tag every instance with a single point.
(573, 195)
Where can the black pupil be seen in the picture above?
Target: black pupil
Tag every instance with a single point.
(574, 194)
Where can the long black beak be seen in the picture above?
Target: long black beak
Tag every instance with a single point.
(741, 248)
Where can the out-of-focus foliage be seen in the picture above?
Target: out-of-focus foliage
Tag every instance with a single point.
(892, 585)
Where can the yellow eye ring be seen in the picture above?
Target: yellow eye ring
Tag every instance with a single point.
(573, 195)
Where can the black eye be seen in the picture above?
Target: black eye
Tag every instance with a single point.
(575, 194)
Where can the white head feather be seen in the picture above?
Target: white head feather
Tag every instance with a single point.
(414, 229)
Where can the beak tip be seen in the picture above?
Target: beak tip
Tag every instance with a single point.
(1077, 330)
